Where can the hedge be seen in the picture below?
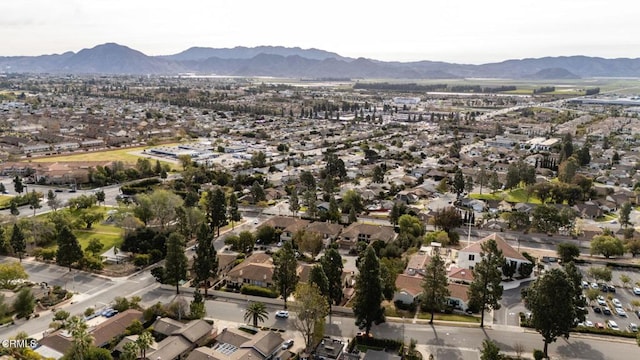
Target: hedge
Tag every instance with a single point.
(258, 291)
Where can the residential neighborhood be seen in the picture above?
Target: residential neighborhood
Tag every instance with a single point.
(235, 218)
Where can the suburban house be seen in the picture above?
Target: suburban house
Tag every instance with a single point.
(327, 230)
(367, 233)
(102, 333)
(288, 226)
(469, 256)
(178, 338)
(257, 269)
(235, 344)
(409, 287)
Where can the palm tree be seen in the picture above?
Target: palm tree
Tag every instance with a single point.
(82, 340)
(129, 351)
(256, 311)
(143, 343)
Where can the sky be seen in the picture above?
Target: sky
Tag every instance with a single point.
(458, 31)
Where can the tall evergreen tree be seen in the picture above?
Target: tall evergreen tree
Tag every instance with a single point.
(205, 261)
(552, 304)
(69, 250)
(458, 182)
(331, 263)
(434, 286)
(18, 242)
(175, 267)
(18, 186)
(285, 275)
(294, 202)
(485, 291)
(217, 209)
(234, 212)
(367, 303)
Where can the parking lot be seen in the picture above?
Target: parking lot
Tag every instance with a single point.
(615, 302)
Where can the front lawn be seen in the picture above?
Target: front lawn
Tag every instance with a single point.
(109, 235)
(450, 317)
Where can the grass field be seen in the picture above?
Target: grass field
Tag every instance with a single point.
(126, 155)
(516, 195)
(109, 235)
(4, 199)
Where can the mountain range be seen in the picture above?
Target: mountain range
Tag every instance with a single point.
(278, 61)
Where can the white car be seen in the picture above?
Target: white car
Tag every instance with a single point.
(282, 314)
(633, 327)
(616, 303)
(612, 325)
(601, 302)
(287, 344)
(588, 323)
(594, 286)
(620, 312)
(636, 290)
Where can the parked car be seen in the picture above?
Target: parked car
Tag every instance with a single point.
(287, 344)
(620, 312)
(633, 327)
(601, 301)
(588, 323)
(636, 290)
(283, 314)
(612, 325)
(585, 284)
(600, 325)
(594, 285)
(611, 288)
(606, 310)
(596, 309)
(616, 303)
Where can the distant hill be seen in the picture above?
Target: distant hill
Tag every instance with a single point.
(241, 52)
(281, 61)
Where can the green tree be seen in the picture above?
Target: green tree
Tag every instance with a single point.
(551, 302)
(434, 285)
(545, 219)
(600, 273)
(17, 184)
(24, 303)
(334, 211)
(100, 196)
(175, 267)
(258, 192)
(368, 296)
(294, 202)
(485, 291)
(13, 207)
(482, 178)
(567, 252)
(258, 159)
(34, 201)
(377, 175)
(352, 200)
(490, 351)
(311, 308)
(494, 182)
(309, 241)
(332, 265)
(318, 278)
(10, 273)
(18, 241)
(82, 339)
(205, 261)
(567, 170)
(607, 246)
(69, 250)
(52, 200)
(234, 213)
(458, 182)
(197, 309)
(95, 246)
(285, 276)
(625, 212)
(130, 350)
(256, 312)
(447, 219)
(216, 209)
(143, 343)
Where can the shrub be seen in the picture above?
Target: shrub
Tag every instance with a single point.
(141, 259)
(538, 354)
(258, 291)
